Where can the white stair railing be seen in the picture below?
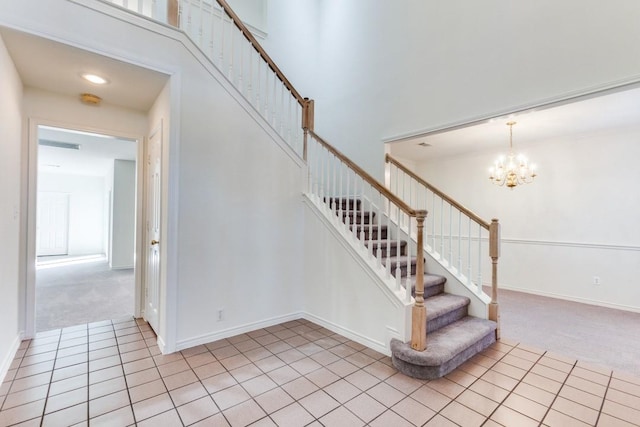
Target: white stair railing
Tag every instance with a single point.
(458, 238)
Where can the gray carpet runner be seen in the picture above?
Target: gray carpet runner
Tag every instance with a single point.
(453, 336)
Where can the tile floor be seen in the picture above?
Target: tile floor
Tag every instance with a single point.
(295, 374)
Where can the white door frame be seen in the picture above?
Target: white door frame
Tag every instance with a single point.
(31, 208)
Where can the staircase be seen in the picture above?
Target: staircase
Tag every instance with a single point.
(452, 335)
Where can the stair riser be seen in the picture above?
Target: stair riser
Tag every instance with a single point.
(343, 204)
(392, 251)
(355, 217)
(429, 291)
(446, 319)
(403, 269)
(373, 233)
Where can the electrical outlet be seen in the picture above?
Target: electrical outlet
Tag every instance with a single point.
(220, 314)
(596, 280)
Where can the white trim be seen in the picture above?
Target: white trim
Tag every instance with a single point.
(516, 241)
(602, 246)
(248, 327)
(236, 330)
(567, 97)
(354, 336)
(570, 298)
(8, 358)
(31, 190)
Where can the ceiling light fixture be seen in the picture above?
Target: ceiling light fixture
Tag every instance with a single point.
(94, 78)
(90, 99)
(512, 170)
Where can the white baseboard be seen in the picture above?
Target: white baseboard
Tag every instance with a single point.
(236, 330)
(571, 298)
(230, 332)
(354, 336)
(11, 354)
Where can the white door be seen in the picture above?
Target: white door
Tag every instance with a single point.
(52, 224)
(152, 285)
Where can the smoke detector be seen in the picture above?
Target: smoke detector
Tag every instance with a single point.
(90, 99)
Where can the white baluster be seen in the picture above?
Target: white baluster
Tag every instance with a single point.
(266, 93)
(321, 172)
(469, 257)
(275, 102)
(450, 260)
(189, 20)
(221, 55)
(259, 78)
(398, 252)
(479, 259)
(378, 249)
(201, 29)
(370, 225)
(433, 221)
(338, 199)
(459, 242)
(289, 123)
(212, 35)
(241, 68)
(356, 197)
(282, 89)
(231, 51)
(351, 213)
(250, 82)
(441, 229)
(407, 282)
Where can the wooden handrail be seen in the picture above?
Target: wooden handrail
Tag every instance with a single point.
(371, 180)
(484, 224)
(245, 31)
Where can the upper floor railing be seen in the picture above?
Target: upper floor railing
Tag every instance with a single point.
(222, 36)
(459, 238)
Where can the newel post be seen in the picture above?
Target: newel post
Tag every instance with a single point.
(307, 123)
(494, 253)
(172, 13)
(419, 311)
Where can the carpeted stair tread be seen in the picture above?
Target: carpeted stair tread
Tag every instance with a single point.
(447, 348)
(404, 267)
(433, 285)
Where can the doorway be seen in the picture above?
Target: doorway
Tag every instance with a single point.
(85, 227)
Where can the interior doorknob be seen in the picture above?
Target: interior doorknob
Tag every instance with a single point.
(154, 242)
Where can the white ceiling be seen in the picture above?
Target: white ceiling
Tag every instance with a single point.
(56, 67)
(94, 158)
(595, 114)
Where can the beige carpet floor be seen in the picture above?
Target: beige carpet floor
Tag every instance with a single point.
(73, 294)
(592, 334)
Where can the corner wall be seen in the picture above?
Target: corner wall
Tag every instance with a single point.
(10, 212)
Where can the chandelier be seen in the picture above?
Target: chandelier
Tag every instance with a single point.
(512, 170)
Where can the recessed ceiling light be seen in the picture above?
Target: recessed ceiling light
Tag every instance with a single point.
(94, 78)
